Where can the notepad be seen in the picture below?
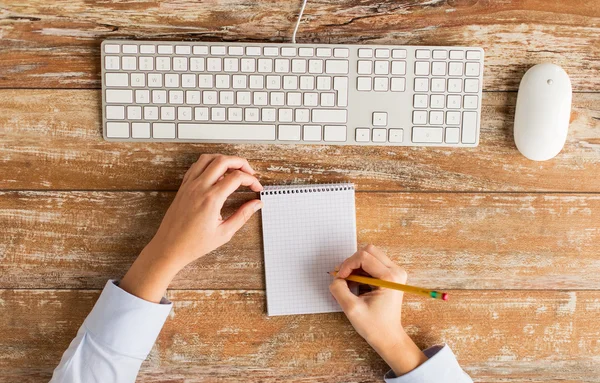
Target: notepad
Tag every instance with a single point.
(307, 231)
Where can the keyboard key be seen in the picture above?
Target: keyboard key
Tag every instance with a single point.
(268, 115)
(289, 132)
(248, 65)
(205, 81)
(341, 52)
(382, 53)
(218, 50)
(457, 55)
(235, 114)
(362, 53)
(427, 135)
(323, 52)
(329, 116)
(311, 99)
(438, 68)
(421, 84)
(439, 54)
(472, 69)
(306, 52)
(363, 135)
(148, 49)
(423, 54)
(192, 97)
(260, 98)
(163, 63)
(438, 85)
(470, 102)
(231, 65)
(111, 48)
(140, 130)
(150, 113)
(379, 135)
(363, 83)
(214, 64)
(171, 80)
(217, 114)
(399, 53)
(114, 112)
(382, 67)
(286, 115)
(336, 66)
(119, 96)
(244, 98)
(184, 113)
(273, 82)
(265, 65)
(277, 98)
(117, 129)
(473, 55)
(294, 99)
(436, 117)
(271, 51)
(469, 128)
(251, 114)
(335, 133)
(226, 97)
(323, 83)
(312, 133)
(142, 96)
(146, 63)
(396, 135)
(455, 68)
(472, 85)
(163, 130)
(243, 132)
(138, 80)
(454, 85)
(201, 113)
(130, 48)
(380, 84)
(222, 81)
(240, 81)
(453, 102)
(419, 117)
(200, 49)
(379, 119)
(176, 97)
(209, 97)
(236, 51)
(327, 99)
(116, 79)
(436, 101)
(134, 112)
(183, 49)
(112, 63)
(167, 113)
(340, 84)
(422, 68)
(298, 66)
(452, 135)
(398, 68)
(257, 82)
(365, 67)
(398, 84)
(282, 65)
(253, 51)
(420, 101)
(302, 115)
(452, 118)
(315, 66)
(165, 49)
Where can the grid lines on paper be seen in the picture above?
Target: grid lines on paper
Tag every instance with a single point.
(305, 235)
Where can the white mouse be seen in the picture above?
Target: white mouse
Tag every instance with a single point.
(543, 112)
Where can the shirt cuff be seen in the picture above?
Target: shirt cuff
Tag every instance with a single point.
(441, 366)
(125, 323)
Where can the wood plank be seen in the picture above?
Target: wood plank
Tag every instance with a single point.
(57, 46)
(457, 240)
(51, 140)
(225, 336)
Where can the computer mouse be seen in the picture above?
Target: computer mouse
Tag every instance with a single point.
(543, 112)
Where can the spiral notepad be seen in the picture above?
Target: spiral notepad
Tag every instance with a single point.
(307, 231)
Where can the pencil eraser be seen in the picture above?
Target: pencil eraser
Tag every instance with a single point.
(444, 296)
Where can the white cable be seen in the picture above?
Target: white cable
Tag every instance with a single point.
(298, 21)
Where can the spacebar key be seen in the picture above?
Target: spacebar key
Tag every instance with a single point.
(227, 132)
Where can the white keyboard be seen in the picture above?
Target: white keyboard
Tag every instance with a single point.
(291, 93)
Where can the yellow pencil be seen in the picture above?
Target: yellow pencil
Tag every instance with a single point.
(395, 286)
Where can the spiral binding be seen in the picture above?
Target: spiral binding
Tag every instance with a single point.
(301, 189)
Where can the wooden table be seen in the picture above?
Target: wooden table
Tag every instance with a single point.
(514, 241)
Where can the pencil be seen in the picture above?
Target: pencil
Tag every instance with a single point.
(396, 286)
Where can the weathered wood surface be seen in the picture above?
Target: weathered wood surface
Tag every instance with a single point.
(56, 45)
(51, 140)
(447, 240)
(498, 336)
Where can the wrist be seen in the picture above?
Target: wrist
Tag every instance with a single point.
(400, 353)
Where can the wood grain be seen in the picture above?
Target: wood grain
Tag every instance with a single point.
(224, 336)
(464, 241)
(56, 45)
(52, 140)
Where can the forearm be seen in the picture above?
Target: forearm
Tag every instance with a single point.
(401, 353)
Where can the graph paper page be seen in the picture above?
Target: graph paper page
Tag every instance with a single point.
(307, 231)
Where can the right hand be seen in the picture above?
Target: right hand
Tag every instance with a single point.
(377, 315)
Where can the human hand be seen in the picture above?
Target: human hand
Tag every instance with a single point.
(193, 225)
(377, 315)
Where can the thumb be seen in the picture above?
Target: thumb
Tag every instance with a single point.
(342, 294)
(232, 224)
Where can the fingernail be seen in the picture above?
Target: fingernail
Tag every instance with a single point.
(337, 268)
(258, 205)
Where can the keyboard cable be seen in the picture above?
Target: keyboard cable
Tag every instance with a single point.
(298, 21)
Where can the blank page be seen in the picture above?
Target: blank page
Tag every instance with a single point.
(307, 231)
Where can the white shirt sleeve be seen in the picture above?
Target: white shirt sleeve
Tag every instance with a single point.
(114, 339)
(441, 366)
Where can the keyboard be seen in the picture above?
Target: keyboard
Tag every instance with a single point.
(291, 93)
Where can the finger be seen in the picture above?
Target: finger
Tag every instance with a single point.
(366, 261)
(380, 255)
(232, 224)
(199, 166)
(232, 181)
(220, 165)
(342, 294)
